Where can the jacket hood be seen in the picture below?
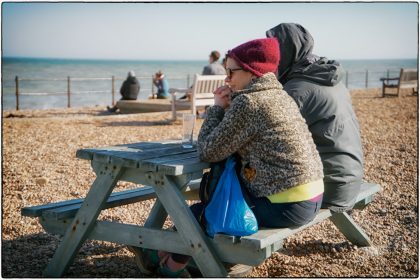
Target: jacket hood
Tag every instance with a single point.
(132, 79)
(297, 60)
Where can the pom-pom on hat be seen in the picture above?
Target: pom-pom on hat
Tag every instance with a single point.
(257, 56)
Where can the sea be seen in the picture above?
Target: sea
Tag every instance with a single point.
(44, 83)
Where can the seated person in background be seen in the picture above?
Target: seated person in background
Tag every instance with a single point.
(214, 68)
(162, 85)
(254, 118)
(129, 90)
(316, 85)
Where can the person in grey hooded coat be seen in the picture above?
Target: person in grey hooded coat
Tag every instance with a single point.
(315, 84)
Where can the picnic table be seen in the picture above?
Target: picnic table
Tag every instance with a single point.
(166, 171)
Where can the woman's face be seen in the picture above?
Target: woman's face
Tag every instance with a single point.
(237, 78)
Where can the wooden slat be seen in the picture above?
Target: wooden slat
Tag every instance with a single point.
(133, 148)
(36, 211)
(133, 157)
(153, 163)
(186, 153)
(68, 208)
(140, 236)
(119, 158)
(267, 236)
(113, 201)
(178, 154)
(205, 95)
(152, 145)
(204, 102)
(183, 166)
(367, 189)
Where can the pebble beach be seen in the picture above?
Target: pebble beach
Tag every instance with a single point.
(39, 166)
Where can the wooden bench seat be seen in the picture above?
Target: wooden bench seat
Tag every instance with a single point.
(267, 237)
(249, 250)
(68, 208)
(408, 79)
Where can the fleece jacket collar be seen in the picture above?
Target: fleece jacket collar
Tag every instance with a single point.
(267, 81)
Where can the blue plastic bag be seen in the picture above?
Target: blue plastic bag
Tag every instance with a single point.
(228, 211)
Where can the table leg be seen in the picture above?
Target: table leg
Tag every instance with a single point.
(85, 219)
(158, 213)
(190, 231)
(157, 216)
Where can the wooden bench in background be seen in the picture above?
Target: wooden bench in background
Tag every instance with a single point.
(250, 250)
(201, 94)
(408, 79)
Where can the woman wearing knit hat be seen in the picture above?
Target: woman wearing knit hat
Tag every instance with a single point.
(255, 118)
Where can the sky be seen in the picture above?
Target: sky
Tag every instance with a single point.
(190, 31)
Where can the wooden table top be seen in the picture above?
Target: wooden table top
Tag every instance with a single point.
(167, 157)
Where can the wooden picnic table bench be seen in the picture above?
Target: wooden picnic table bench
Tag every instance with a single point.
(171, 174)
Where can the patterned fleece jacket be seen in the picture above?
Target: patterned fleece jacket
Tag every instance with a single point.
(264, 126)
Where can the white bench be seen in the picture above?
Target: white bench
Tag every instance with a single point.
(201, 94)
(408, 79)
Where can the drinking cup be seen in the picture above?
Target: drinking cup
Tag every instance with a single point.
(188, 123)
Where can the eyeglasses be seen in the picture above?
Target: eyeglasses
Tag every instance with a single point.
(229, 71)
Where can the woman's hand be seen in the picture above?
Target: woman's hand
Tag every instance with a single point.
(222, 97)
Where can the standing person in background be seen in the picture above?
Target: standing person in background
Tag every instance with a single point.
(315, 84)
(129, 90)
(162, 85)
(214, 67)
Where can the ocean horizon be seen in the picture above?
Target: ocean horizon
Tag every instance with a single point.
(43, 81)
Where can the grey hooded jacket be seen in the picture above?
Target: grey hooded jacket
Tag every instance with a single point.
(315, 84)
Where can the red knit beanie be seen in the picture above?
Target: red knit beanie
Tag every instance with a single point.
(257, 56)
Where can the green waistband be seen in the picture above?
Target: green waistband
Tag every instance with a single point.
(299, 193)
